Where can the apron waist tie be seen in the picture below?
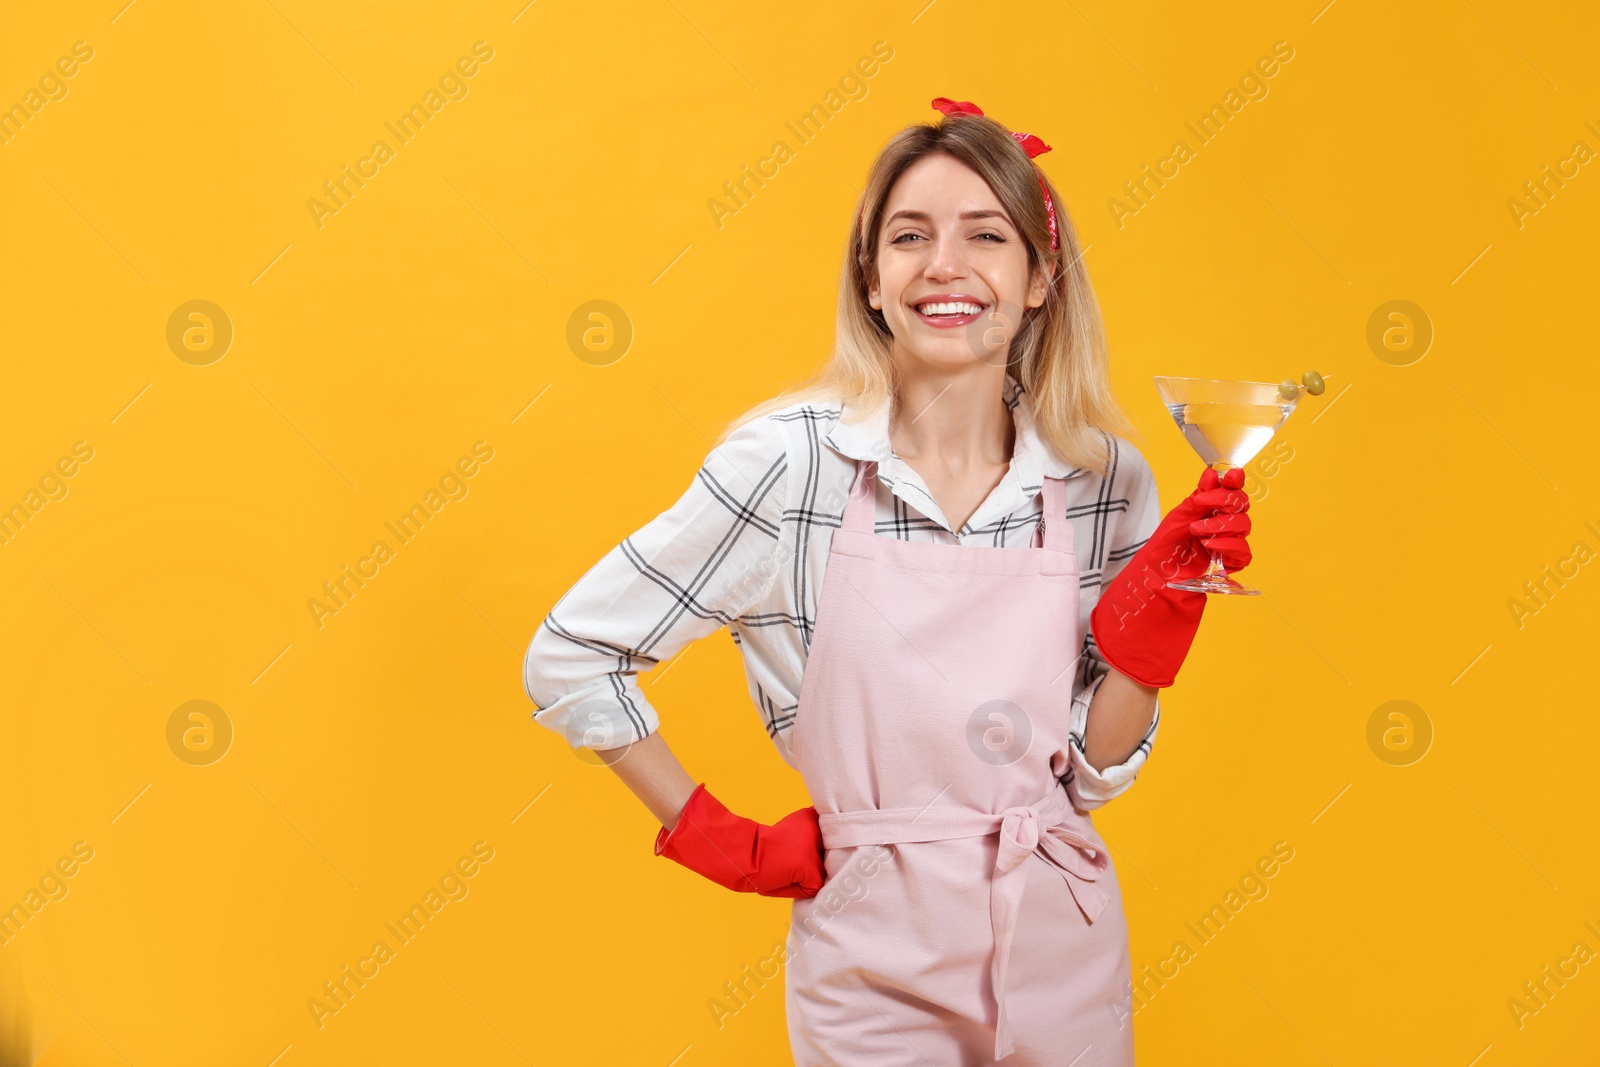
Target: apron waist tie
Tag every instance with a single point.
(1048, 828)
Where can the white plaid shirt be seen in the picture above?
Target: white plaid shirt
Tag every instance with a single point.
(746, 547)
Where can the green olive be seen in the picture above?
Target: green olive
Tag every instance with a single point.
(1313, 382)
(1288, 390)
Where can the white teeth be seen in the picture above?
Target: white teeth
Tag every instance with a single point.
(950, 309)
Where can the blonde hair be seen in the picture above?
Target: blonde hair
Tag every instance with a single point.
(1058, 354)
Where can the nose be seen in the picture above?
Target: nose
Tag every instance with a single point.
(946, 257)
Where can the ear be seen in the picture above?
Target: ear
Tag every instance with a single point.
(873, 298)
(1039, 284)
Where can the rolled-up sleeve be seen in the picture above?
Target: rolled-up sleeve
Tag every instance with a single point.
(1088, 787)
(689, 571)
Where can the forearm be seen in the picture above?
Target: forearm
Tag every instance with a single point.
(653, 773)
(1119, 716)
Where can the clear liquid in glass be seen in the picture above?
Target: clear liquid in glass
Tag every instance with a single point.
(1229, 433)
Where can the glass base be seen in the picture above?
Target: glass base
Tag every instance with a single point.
(1215, 583)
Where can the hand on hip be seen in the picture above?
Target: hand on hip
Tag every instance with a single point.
(782, 860)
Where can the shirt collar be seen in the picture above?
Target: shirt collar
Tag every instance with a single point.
(864, 435)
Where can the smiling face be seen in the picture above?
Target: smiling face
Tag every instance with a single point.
(946, 236)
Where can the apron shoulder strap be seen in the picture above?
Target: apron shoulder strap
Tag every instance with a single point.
(861, 508)
(1057, 530)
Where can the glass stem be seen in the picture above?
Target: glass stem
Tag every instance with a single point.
(1216, 569)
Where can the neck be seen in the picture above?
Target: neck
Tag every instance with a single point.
(953, 418)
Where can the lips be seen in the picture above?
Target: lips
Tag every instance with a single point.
(949, 311)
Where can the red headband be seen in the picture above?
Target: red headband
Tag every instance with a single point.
(1030, 144)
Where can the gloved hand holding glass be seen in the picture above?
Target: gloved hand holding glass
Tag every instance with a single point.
(1146, 617)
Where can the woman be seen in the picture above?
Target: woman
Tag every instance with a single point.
(947, 577)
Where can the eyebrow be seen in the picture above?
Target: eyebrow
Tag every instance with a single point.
(923, 216)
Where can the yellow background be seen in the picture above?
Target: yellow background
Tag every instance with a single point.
(369, 354)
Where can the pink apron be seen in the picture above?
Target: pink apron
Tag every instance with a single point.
(970, 912)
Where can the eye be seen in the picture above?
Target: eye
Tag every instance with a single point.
(998, 238)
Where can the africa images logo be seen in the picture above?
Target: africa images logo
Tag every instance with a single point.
(452, 85)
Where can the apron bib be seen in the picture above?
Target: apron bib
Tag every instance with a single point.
(970, 913)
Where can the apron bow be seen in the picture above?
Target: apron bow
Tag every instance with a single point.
(1078, 858)
(1049, 828)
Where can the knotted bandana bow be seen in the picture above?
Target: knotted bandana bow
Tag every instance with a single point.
(1030, 144)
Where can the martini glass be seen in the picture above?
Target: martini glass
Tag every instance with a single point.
(1227, 423)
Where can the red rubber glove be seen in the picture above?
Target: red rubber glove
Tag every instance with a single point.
(1142, 626)
(783, 860)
